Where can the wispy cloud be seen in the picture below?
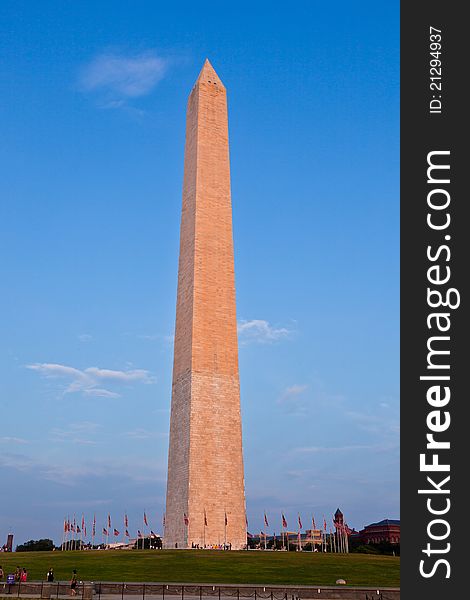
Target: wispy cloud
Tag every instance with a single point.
(153, 337)
(118, 77)
(334, 449)
(293, 399)
(85, 337)
(260, 331)
(374, 424)
(13, 440)
(293, 390)
(144, 434)
(87, 472)
(91, 381)
(76, 433)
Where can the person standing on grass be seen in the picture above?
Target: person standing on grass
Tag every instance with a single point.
(73, 583)
(23, 575)
(50, 575)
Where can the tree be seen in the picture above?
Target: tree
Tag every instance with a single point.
(45, 545)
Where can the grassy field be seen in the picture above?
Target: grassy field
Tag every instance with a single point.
(199, 566)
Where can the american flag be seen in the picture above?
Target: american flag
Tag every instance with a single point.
(186, 519)
(127, 533)
(126, 520)
(116, 532)
(266, 520)
(313, 522)
(109, 520)
(78, 529)
(139, 535)
(83, 522)
(105, 531)
(226, 521)
(300, 522)
(93, 529)
(205, 518)
(284, 522)
(145, 520)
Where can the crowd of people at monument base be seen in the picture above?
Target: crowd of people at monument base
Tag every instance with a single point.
(211, 546)
(21, 575)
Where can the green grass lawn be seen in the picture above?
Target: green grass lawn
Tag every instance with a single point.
(294, 568)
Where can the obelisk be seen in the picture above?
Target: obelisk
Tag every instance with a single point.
(205, 504)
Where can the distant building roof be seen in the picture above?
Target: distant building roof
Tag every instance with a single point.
(385, 522)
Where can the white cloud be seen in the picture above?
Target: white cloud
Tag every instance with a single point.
(120, 76)
(293, 400)
(77, 433)
(374, 424)
(90, 381)
(333, 449)
(294, 390)
(85, 337)
(13, 440)
(100, 393)
(144, 434)
(258, 330)
(74, 473)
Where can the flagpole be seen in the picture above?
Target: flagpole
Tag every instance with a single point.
(143, 539)
(282, 534)
(124, 533)
(204, 530)
(225, 529)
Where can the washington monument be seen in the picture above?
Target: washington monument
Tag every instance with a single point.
(205, 502)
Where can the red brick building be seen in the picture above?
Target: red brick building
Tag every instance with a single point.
(387, 530)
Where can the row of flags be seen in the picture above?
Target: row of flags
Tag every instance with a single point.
(337, 525)
(72, 526)
(80, 528)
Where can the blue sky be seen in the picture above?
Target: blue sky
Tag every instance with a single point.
(92, 108)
